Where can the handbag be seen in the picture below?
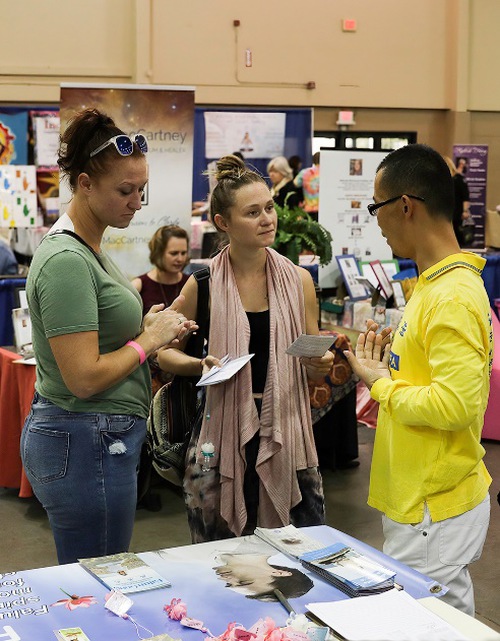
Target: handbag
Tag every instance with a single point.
(339, 381)
(178, 404)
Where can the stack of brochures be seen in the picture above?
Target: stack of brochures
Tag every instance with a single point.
(125, 572)
(348, 570)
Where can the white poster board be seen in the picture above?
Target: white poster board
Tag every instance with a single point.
(345, 189)
(255, 134)
(165, 116)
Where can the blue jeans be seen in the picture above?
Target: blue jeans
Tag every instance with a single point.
(83, 470)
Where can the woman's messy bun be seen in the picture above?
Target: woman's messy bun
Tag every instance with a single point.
(230, 168)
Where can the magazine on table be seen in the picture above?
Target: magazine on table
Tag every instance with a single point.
(289, 540)
(125, 572)
(348, 570)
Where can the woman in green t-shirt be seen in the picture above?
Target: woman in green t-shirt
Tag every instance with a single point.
(81, 442)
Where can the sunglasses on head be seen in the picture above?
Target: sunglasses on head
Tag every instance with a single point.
(123, 144)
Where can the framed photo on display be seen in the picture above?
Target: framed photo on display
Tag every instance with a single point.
(391, 268)
(399, 295)
(349, 269)
(383, 280)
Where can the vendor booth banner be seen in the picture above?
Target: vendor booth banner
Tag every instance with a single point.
(46, 128)
(254, 134)
(345, 190)
(13, 137)
(472, 162)
(165, 116)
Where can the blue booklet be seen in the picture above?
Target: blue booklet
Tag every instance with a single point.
(125, 572)
(350, 571)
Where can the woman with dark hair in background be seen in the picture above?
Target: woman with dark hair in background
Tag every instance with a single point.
(169, 255)
(295, 163)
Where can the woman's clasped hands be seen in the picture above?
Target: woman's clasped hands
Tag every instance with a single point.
(168, 326)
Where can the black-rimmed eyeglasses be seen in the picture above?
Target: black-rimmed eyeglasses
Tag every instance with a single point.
(124, 145)
(372, 208)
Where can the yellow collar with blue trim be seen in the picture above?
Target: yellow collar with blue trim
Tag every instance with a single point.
(469, 260)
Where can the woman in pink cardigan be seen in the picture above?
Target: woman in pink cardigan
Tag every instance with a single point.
(264, 468)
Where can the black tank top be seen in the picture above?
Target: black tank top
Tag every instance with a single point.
(259, 345)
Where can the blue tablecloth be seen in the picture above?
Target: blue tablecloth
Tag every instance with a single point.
(28, 596)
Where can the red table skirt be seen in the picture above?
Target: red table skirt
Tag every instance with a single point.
(17, 385)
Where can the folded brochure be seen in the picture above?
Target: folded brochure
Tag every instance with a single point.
(350, 571)
(125, 572)
(228, 368)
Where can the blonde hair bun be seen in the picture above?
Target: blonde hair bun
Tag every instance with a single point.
(230, 167)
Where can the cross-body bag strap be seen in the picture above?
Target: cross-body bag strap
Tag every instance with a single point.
(203, 279)
(68, 232)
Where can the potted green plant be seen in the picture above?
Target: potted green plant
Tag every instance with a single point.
(298, 233)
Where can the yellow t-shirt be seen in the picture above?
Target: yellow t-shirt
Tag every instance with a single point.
(427, 445)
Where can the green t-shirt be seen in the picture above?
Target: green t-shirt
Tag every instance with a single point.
(69, 291)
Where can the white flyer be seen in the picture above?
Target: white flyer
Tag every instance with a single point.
(311, 345)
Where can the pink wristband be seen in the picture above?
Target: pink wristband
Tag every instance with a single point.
(139, 350)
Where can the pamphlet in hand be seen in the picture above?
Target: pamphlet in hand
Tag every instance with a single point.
(125, 572)
(228, 368)
(289, 540)
(348, 570)
(311, 345)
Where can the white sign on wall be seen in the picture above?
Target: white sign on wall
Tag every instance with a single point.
(345, 189)
(255, 135)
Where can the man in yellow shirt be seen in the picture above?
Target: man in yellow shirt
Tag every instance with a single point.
(428, 477)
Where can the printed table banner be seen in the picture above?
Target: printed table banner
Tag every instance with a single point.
(220, 582)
